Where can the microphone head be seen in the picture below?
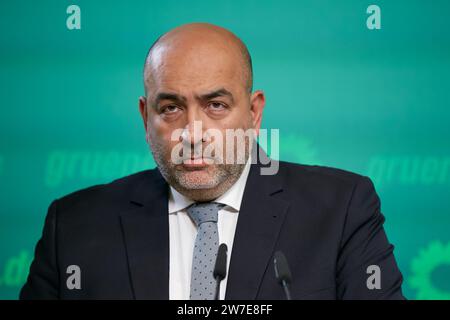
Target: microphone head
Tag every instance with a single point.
(282, 271)
(220, 269)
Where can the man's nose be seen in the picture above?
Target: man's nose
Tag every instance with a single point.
(193, 131)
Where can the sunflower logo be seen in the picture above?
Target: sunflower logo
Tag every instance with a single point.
(422, 266)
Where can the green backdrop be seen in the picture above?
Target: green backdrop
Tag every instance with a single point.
(371, 101)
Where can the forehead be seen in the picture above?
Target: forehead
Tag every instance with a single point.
(192, 67)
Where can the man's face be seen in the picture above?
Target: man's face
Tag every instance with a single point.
(205, 84)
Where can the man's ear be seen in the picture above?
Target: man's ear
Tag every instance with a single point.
(257, 103)
(143, 110)
(144, 114)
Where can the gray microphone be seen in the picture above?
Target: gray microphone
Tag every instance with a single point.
(282, 272)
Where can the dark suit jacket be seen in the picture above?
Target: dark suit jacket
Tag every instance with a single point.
(326, 221)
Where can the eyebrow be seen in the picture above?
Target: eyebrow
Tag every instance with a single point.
(169, 96)
(222, 92)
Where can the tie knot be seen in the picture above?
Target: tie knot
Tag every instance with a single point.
(202, 212)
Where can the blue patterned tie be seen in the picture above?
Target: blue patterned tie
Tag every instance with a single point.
(204, 214)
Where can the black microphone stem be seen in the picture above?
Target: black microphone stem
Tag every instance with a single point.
(286, 289)
(216, 295)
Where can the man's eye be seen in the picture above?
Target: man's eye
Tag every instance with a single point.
(216, 106)
(170, 109)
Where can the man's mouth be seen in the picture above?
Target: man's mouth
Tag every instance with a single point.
(196, 163)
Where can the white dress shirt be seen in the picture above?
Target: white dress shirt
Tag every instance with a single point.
(183, 231)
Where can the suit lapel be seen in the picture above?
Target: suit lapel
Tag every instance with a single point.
(145, 229)
(260, 219)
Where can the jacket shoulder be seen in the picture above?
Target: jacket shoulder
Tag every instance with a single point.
(106, 194)
(320, 180)
(320, 172)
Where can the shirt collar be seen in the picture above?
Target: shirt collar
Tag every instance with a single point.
(231, 198)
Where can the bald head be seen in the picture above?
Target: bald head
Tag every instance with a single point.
(199, 43)
(199, 75)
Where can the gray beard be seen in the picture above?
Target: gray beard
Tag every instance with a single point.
(225, 175)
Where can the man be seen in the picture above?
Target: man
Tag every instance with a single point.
(155, 234)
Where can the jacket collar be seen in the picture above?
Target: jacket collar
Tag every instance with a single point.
(145, 228)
